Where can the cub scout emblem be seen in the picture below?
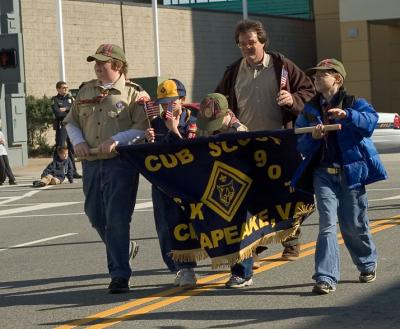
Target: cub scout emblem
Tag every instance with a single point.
(120, 106)
(226, 189)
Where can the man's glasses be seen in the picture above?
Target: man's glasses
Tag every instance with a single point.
(251, 43)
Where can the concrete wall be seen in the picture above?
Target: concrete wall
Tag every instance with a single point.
(195, 45)
(362, 10)
(327, 29)
(365, 35)
(356, 58)
(385, 67)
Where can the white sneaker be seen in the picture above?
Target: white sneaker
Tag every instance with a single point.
(238, 282)
(133, 250)
(185, 278)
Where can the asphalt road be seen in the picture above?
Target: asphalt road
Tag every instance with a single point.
(53, 272)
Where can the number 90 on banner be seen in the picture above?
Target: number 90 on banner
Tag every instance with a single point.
(273, 171)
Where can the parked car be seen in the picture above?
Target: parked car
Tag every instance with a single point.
(386, 136)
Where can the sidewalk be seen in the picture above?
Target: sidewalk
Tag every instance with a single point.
(35, 167)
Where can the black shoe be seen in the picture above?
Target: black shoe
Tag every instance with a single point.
(118, 286)
(367, 277)
(76, 175)
(38, 183)
(12, 182)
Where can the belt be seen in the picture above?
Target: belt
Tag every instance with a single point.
(332, 170)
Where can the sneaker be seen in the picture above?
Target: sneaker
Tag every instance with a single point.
(238, 282)
(118, 285)
(367, 277)
(291, 252)
(323, 288)
(76, 175)
(38, 183)
(185, 278)
(133, 250)
(12, 182)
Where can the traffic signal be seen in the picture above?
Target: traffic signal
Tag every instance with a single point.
(8, 58)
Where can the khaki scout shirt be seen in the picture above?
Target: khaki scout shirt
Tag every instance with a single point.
(99, 117)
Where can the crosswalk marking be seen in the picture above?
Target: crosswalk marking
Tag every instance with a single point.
(38, 241)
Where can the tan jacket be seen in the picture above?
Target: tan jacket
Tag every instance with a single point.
(101, 116)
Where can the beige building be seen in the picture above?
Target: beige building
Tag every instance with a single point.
(365, 35)
(195, 45)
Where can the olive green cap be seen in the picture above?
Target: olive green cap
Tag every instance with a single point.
(106, 52)
(213, 109)
(329, 64)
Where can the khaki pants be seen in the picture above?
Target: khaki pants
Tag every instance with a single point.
(50, 180)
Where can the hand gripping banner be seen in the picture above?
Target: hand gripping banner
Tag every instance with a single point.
(232, 192)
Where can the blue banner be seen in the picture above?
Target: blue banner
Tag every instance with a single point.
(233, 191)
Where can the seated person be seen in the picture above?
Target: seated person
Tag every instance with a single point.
(57, 170)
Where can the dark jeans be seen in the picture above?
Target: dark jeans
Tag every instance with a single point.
(243, 269)
(164, 207)
(110, 188)
(5, 170)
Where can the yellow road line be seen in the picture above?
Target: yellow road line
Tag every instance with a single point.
(216, 279)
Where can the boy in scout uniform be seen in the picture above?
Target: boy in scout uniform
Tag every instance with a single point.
(215, 117)
(106, 114)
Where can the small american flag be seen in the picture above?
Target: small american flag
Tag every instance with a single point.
(152, 110)
(284, 78)
(168, 112)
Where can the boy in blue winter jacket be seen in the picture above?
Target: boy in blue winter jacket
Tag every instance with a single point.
(341, 163)
(56, 171)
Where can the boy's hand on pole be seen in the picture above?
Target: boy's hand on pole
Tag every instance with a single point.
(318, 131)
(82, 150)
(107, 146)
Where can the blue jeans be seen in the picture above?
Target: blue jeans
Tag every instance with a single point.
(164, 207)
(335, 201)
(110, 188)
(243, 269)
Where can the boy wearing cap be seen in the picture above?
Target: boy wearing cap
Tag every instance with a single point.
(341, 163)
(106, 114)
(176, 123)
(215, 117)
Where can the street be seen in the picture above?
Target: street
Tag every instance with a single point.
(53, 271)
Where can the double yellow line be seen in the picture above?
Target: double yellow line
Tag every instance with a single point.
(207, 283)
